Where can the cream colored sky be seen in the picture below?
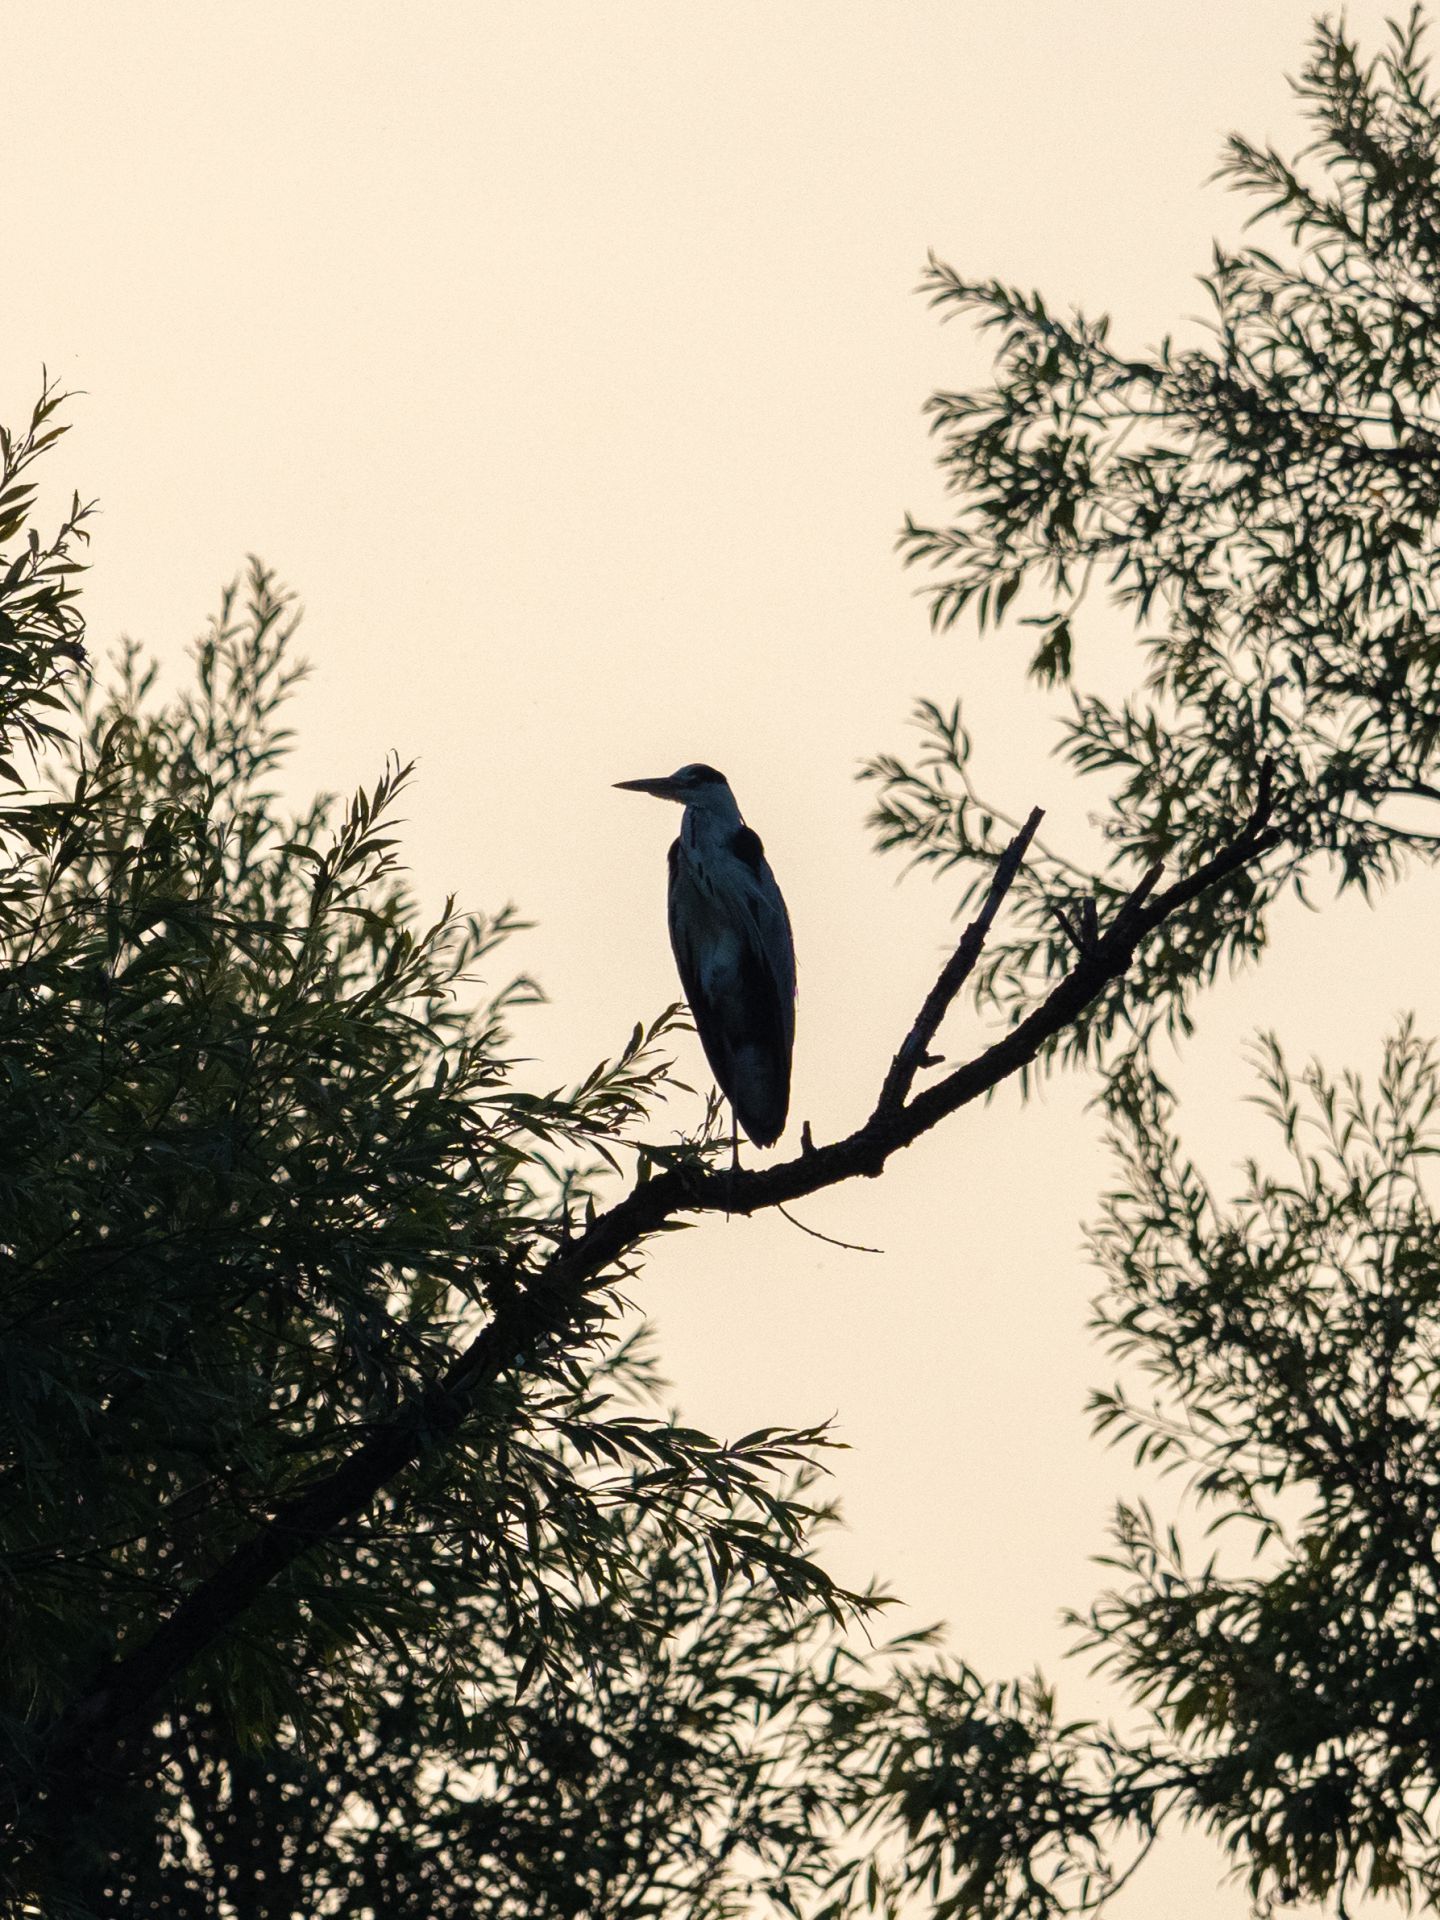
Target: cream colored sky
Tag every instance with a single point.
(564, 357)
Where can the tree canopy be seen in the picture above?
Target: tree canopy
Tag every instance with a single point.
(349, 1562)
(1262, 504)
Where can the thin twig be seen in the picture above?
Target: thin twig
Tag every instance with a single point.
(846, 1246)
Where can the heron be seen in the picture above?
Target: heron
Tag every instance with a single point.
(733, 947)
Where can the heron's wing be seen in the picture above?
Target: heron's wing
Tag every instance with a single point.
(733, 948)
(774, 939)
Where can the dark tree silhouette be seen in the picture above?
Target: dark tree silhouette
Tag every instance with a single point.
(347, 1566)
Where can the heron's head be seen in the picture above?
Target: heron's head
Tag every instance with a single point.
(693, 786)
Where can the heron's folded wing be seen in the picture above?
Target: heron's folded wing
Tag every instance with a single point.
(770, 924)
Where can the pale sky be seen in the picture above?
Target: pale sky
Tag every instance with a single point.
(565, 358)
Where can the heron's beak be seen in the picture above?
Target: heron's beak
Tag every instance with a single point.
(664, 789)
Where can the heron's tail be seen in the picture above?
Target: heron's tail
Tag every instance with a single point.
(762, 1095)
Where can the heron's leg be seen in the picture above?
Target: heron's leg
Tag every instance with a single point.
(734, 1155)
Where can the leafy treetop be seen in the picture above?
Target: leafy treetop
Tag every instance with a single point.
(1263, 505)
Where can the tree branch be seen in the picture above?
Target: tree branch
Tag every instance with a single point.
(953, 975)
(558, 1301)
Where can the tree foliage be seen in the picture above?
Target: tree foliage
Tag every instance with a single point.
(1263, 506)
(306, 1295)
(1281, 1352)
(670, 1774)
(1262, 503)
(264, 1166)
(348, 1562)
(314, 1466)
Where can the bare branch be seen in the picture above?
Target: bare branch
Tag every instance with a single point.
(954, 974)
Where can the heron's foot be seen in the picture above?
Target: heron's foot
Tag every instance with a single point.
(734, 1162)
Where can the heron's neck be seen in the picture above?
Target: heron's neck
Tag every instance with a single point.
(713, 825)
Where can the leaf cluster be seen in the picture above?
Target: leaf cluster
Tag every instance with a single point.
(40, 625)
(1282, 1352)
(671, 1773)
(1263, 506)
(1291, 1342)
